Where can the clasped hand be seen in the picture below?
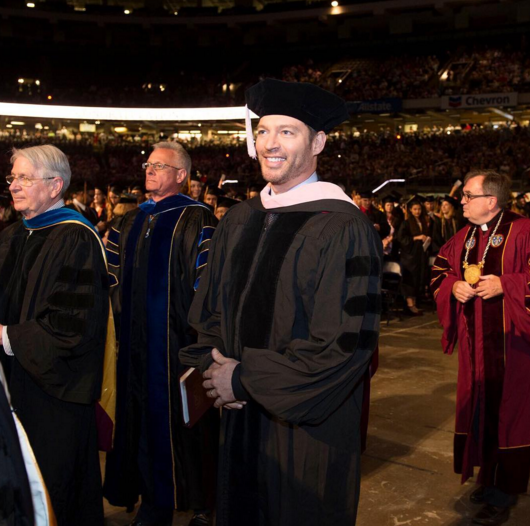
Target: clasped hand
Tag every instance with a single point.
(488, 287)
(218, 381)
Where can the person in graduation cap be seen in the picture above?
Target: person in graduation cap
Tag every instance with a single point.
(394, 218)
(157, 255)
(211, 196)
(481, 284)
(448, 224)
(414, 237)
(54, 306)
(224, 204)
(195, 187)
(288, 320)
(375, 215)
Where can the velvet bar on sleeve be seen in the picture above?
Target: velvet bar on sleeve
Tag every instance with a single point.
(293, 293)
(54, 301)
(59, 338)
(158, 256)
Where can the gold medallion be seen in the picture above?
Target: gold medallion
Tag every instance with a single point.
(472, 274)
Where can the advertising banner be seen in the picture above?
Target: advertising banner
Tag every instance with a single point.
(482, 100)
(392, 105)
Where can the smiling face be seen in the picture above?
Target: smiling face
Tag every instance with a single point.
(166, 182)
(33, 200)
(195, 190)
(286, 152)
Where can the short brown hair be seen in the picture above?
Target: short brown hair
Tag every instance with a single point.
(496, 184)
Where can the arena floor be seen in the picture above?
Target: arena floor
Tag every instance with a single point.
(407, 475)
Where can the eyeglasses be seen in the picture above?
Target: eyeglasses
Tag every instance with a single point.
(469, 197)
(158, 166)
(24, 180)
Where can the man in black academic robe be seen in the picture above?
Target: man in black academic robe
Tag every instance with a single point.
(156, 256)
(288, 318)
(53, 313)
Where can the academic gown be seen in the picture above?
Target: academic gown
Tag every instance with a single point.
(293, 293)
(151, 294)
(378, 218)
(442, 234)
(493, 392)
(414, 261)
(54, 300)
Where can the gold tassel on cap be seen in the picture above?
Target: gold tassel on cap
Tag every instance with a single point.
(251, 148)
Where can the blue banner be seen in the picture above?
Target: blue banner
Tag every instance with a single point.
(392, 105)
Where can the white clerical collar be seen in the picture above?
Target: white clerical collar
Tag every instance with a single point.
(58, 204)
(484, 227)
(312, 179)
(80, 205)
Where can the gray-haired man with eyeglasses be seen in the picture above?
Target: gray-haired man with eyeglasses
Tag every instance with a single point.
(157, 255)
(481, 283)
(54, 305)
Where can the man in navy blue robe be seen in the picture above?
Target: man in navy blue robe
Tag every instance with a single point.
(157, 254)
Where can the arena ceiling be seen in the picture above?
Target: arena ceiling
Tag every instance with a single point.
(172, 7)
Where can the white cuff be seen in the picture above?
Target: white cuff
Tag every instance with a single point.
(5, 342)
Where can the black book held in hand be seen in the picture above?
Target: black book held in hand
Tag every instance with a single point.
(193, 395)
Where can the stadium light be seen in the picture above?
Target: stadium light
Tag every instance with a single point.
(123, 114)
(386, 182)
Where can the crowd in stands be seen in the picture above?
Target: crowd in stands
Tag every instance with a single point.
(434, 157)
(472, 69)
(492, 70)
(400, 77)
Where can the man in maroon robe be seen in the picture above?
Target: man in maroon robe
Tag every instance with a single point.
(491, 322)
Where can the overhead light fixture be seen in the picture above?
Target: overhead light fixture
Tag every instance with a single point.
(9, 125)
(17, 123)
(127, 12)
(30, 4)
(42, 111)
(79, 8)
(21, 81)
(175, 13)
(334, 3)
(37, 82)
(375, 190)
